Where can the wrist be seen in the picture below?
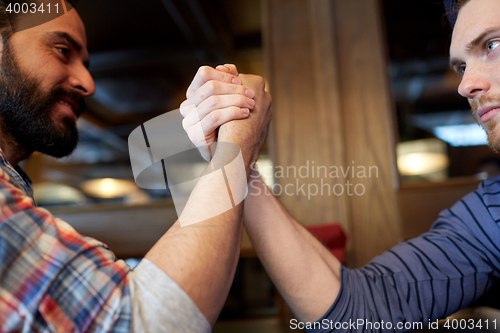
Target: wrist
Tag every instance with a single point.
(249, 150)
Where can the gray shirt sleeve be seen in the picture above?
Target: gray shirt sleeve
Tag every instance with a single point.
(160, 305)
(426, 278)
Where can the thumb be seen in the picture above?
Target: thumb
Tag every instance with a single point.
(228, 68)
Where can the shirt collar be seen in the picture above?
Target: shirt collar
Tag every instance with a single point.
(17, 174)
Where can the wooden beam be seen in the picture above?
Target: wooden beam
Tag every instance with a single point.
(300, 54)
(332, 110)
(369, 127)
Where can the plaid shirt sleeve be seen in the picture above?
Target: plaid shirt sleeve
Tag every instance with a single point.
(51, 277)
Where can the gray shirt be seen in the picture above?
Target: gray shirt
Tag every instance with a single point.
(160, 305)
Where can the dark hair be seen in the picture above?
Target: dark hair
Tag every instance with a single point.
(452, 8)
(5, 28)
(7, 19)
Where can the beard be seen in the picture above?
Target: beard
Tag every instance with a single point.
(492, 127)
(26, 112)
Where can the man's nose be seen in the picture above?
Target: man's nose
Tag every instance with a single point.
(474, 81)
(81, 80)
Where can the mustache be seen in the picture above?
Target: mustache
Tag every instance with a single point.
(59, 92)
(482, 100)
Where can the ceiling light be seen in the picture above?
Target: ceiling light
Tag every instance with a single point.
(421, 163)
(461, 135)
(47, 193)
(422, 157)
(108, 188)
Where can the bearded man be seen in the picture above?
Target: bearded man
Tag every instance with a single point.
(51, 277)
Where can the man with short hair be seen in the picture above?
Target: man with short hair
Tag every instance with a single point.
(418, 281)
(51, 277)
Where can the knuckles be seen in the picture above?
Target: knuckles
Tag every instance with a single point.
(268, 97)
(211, 87)
(235, 111)
(214, 117)
(213, 102)
(232, 68)
(241, 100)
(204, 72)
(208, 89)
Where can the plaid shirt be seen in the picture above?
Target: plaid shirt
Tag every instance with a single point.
(51, 277)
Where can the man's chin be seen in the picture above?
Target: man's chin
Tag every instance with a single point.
(61, 139)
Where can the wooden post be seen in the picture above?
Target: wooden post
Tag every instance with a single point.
(303, 75)
(328, 78)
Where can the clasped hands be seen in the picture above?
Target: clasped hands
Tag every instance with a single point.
(229, 107)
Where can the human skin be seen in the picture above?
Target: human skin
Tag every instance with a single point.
(475, 55)
(201, 259)
(53, 61)
(289, 253)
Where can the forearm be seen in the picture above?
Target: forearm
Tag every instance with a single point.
(201, 258)
(305, 273)
(206, 253)
(203, 269)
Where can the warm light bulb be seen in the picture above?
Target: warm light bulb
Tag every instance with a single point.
(108, 187)
(421, 163)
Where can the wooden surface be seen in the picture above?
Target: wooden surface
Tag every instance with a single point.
(307, 123)
(368, 120)
(331, 105)
(420, 203)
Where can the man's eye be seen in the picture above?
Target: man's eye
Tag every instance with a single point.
(491, 45)
(461, 70)
(63, 50)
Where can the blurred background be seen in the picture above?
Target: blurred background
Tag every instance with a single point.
(143, 58)
(143, 55)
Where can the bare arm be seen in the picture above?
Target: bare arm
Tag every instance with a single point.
(424, 279)
(201, 258)
(306, 274)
